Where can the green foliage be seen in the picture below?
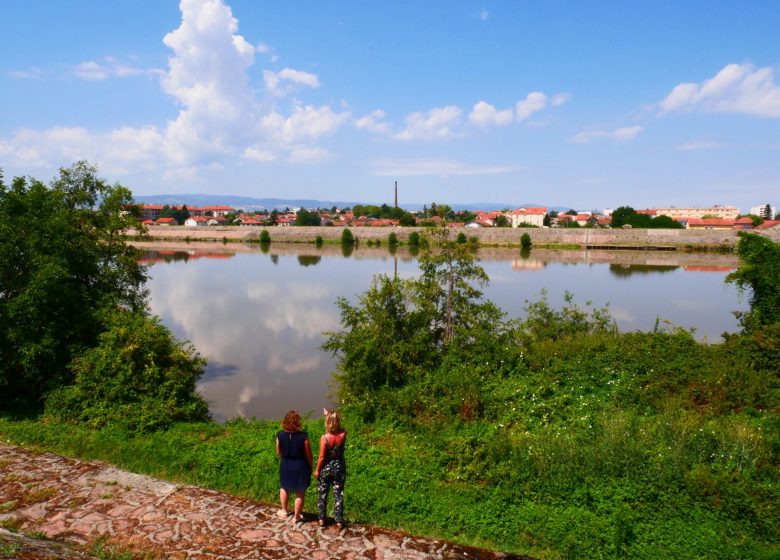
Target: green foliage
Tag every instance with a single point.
(318, 241)
(384, 212)
(414, 239)
(137, 376)
(525, 241)
(62, 262)
(346, 237)
(265, 237)
(502, 221)
(306, 218)
(461, 238)
(392, 239)
(180, 214)
(625, 215)
(758, 272)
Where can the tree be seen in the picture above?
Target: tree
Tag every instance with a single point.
(758, 273)
(63, 261)
(306, 218)
(502, 221)
(346, 237)
(525, 241)
(407, 220)
(622, 216)
(72, 299)
(546, 221)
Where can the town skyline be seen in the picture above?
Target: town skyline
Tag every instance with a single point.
(572, 103)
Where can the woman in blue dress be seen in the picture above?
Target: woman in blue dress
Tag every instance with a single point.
(294, 449)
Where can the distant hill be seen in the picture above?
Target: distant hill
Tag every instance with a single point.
(250, 203)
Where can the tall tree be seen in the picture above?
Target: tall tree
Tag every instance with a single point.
(63, 262)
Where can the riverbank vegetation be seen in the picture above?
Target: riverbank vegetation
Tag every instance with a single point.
(552, 434)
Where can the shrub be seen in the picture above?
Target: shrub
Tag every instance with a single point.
(414, 239)
(138, 376)
(318, 241)
(461, 238)
(525, 241)
(265, 237)
(346, 237)
(392, 239)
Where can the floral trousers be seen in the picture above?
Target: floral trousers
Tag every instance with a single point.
(334, 473)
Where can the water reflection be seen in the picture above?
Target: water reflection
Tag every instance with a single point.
(259, 316)
(626, 270)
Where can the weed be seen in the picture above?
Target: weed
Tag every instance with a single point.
(7, 506)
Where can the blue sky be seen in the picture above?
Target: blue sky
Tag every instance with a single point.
(590, 104)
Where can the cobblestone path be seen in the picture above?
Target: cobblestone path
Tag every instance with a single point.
(76, 502)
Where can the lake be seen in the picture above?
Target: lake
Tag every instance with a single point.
(258, 317)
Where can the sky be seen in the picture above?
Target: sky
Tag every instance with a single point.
(586, 103)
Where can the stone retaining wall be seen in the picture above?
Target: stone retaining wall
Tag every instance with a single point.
(638, 238)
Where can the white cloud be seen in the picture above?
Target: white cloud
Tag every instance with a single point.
(373, 122)
(435, 167)
(308, 155)
(439, 122)
(484, 114)
(32, 73)
(90, 71)
(110, 67)
(305, 122)
(559, 99)
(285, 81)
(737, 88)
(484, 14)
(622, 134)
(256, 153)
(698, 145)
(533, 103)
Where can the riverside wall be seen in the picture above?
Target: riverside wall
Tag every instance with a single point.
(607, 238)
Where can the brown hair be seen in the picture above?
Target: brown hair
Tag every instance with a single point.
(292, 422)
(332, 421)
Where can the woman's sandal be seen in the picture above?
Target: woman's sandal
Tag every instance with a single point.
(281, 514)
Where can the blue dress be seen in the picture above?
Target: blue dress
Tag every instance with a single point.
(294, 469)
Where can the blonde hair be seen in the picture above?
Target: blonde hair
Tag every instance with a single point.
(332, 422)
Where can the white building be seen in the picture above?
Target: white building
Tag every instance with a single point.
(764, 211)
(530, 216)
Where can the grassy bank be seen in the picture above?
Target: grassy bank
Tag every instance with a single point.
(636, 445)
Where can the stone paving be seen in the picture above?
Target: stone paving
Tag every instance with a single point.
(77, 502)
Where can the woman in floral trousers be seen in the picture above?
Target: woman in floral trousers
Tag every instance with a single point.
(331, 469)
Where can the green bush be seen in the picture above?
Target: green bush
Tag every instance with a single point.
(265, 237)
(414, 239)
(392, 239)
(461, 238)
(318, 241)
(138, 377)
(346, 237)
(525, 241)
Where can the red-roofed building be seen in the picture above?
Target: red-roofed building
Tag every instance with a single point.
(196, 221)
(743, 223)
(710, 223)
(532, 216)
(166, 222)
(769, 224)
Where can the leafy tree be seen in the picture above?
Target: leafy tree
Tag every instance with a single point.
(665, 222)
(306, 218)
(758, 272)
(265, 237)
(62, 262)
(622, 216)
(318, 241)
(525, 241)
(461, 238)
(137, 376)
(414, 239)
(346, 237)
(392, 239)
(546, 220)
(571, 212)
(74, 312)
(502, 221)
(407, 220)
